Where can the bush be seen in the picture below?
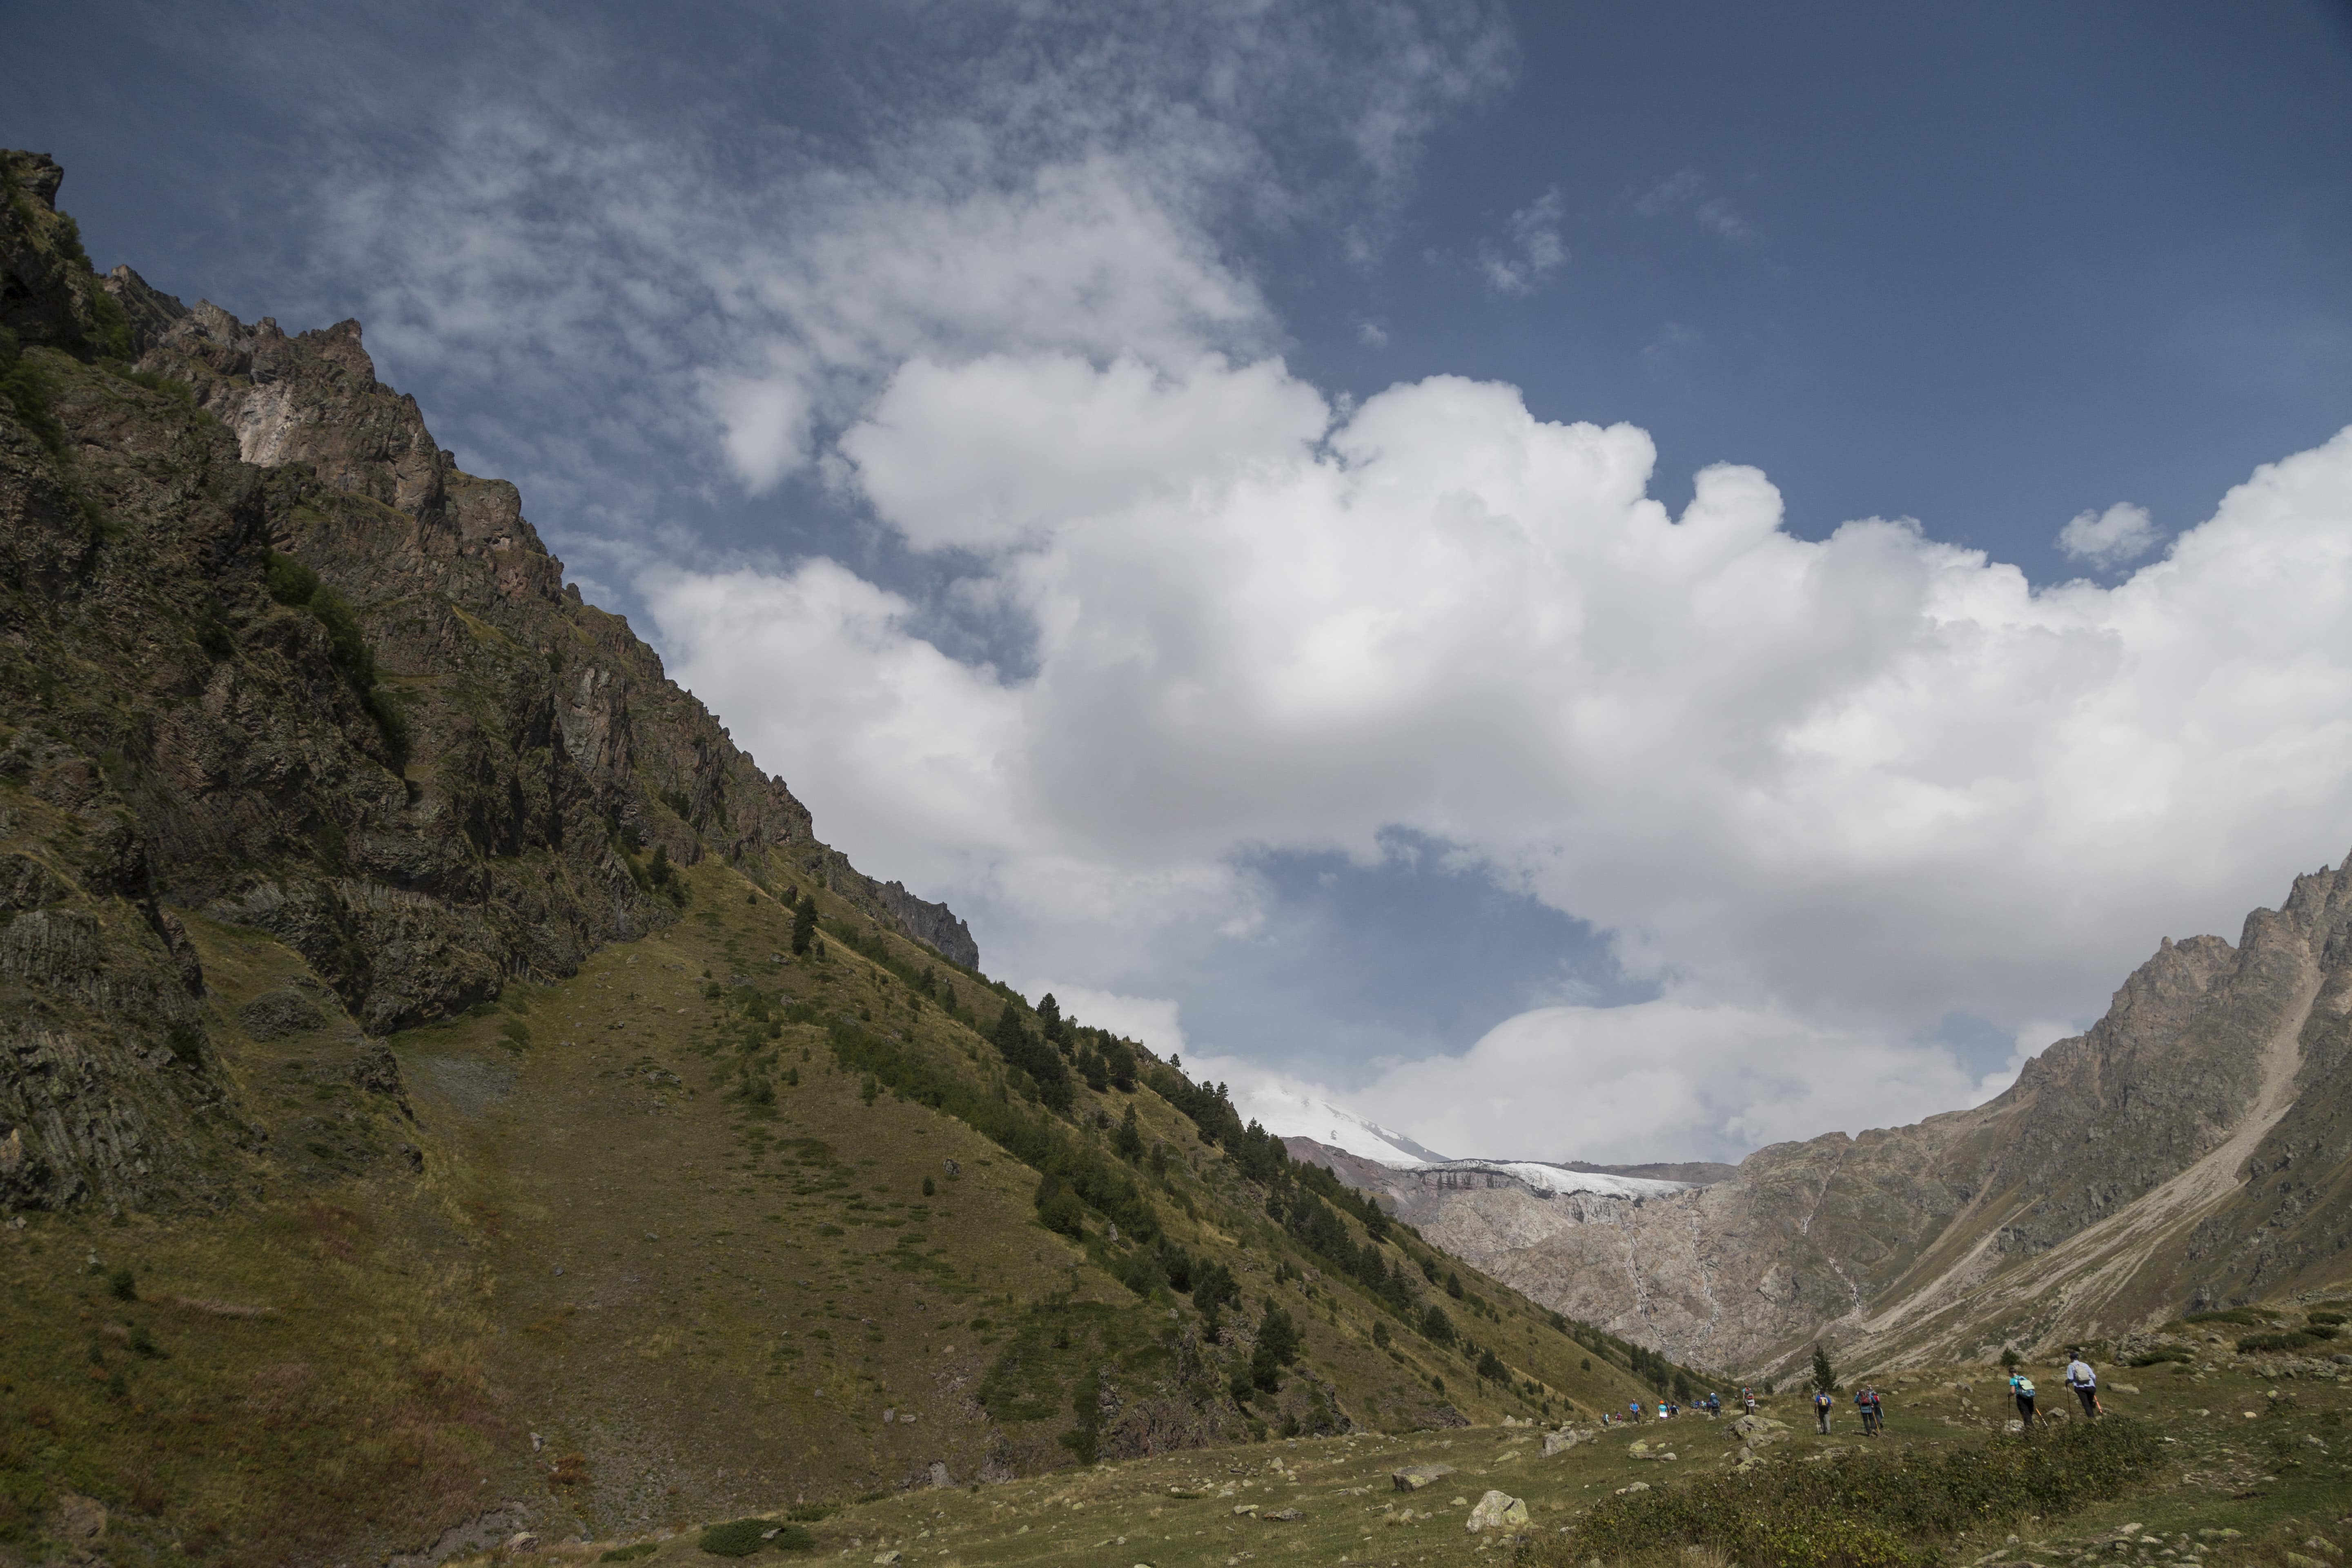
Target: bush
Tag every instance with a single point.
(1863, 1513)
(2159, 1357)
(1058, 1208)
(122, 1285)
(288, 581)
(2258, 1344)
(736, 1538)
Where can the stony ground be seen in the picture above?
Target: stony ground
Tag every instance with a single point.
(2257, 1473)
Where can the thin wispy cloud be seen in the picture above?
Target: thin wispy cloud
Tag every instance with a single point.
(1689, 191)
(1530, 249)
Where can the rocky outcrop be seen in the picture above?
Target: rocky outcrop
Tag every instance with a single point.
(2193, 1149)
(934, 923)
(268, 654)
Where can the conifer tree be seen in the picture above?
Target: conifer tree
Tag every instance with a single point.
(1824, 1377)
(804, 925)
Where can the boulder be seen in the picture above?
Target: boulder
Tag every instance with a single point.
(79, 1520)
(1497, 1511)
(1412, 1478)
(1562, 1441)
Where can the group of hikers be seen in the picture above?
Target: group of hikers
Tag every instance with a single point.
(1706, 1405)
(2079, 1377)
(1866, 1399)
(1871, 1407)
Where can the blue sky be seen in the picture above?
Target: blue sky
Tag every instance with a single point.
(1124, 468)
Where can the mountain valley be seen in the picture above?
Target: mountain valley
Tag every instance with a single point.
(455, 1109)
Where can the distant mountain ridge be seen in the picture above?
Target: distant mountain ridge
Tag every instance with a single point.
(2194, 1149)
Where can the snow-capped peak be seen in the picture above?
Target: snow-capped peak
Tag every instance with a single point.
(1288, 1114)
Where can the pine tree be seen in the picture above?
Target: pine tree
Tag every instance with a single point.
(1824, 1378)
(804, 925)
(1277, 1347)
(1129, 1138)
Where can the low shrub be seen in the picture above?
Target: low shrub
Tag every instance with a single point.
(2159, 1356)
(736, 1537)
(2264, 1344)
(1859, 1511)
(2245, 1317)
(631, 1553)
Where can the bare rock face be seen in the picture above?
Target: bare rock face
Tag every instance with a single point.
(2193, 1149)
(268, 655)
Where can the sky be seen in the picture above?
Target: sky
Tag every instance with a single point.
(1611, 582)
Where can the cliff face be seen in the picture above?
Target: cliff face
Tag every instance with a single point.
(269, 655)
(2194, 1148)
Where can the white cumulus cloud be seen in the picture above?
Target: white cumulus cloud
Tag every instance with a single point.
(2108, 539)
(1823, 792)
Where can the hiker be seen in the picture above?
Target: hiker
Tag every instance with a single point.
(1877, 1414)
(1634, 1407)
(1747, 1398)
(2085, 1385)
(2023, 1386)
(1863, 1408)
(1822, 1409)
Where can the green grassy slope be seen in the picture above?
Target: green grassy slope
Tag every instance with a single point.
(653, 1244)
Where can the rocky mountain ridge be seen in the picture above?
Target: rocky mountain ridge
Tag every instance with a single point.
(2193, 1150)
(268, 654)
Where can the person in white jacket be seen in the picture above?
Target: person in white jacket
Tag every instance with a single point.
(2085, 1385)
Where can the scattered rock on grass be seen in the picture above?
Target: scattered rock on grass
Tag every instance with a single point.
(1497, 1511)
